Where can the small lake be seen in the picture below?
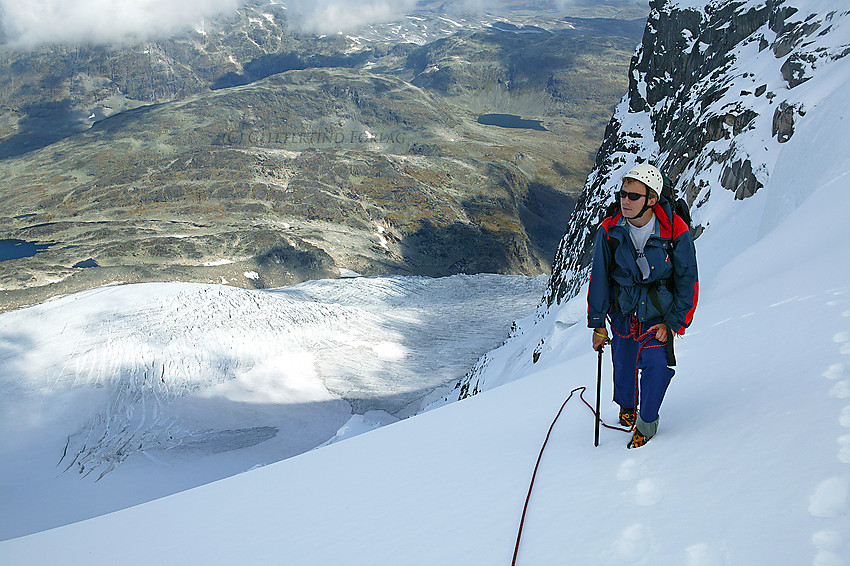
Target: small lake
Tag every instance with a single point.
(511, 121)
(86, 263)
(16, 249)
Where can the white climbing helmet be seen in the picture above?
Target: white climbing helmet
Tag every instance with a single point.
(648, 175)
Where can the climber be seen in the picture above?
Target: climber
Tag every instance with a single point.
(644, 280)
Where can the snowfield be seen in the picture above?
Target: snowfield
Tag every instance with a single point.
(166, 386)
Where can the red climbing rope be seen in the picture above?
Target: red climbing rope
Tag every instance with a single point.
(582, 389)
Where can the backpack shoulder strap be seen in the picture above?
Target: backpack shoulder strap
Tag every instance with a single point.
(611, 220)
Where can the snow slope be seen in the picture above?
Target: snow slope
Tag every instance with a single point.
(750, 465)
(750, 468)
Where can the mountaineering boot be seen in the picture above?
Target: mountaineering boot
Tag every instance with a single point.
(628, 417)
(638, 439)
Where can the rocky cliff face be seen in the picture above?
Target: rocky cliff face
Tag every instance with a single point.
(716, 88)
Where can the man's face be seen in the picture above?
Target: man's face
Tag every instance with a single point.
(628, 206)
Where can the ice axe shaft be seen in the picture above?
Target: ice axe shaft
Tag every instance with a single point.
(598, 395)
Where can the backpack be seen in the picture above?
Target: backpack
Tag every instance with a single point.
(678, 205)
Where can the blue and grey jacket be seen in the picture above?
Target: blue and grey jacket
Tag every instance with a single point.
(670, 293)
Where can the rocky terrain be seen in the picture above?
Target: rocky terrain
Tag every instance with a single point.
(244, 153)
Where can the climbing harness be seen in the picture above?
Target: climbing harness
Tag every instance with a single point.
(643, 338)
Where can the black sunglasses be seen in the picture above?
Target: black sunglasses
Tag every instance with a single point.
(629, 195)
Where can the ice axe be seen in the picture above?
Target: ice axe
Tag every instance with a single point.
(598, 391)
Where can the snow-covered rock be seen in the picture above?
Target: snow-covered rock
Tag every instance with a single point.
(715, 90)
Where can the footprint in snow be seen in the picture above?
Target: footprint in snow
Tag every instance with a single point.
(633, 543)
(828, 545)
(627, 470)
(844, 450)
(836, 371)
(843, 338)
(829, 499)
(840, 390)
(703, 555)
(648, 492)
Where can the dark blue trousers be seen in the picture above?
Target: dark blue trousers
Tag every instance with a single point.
(655, 376)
